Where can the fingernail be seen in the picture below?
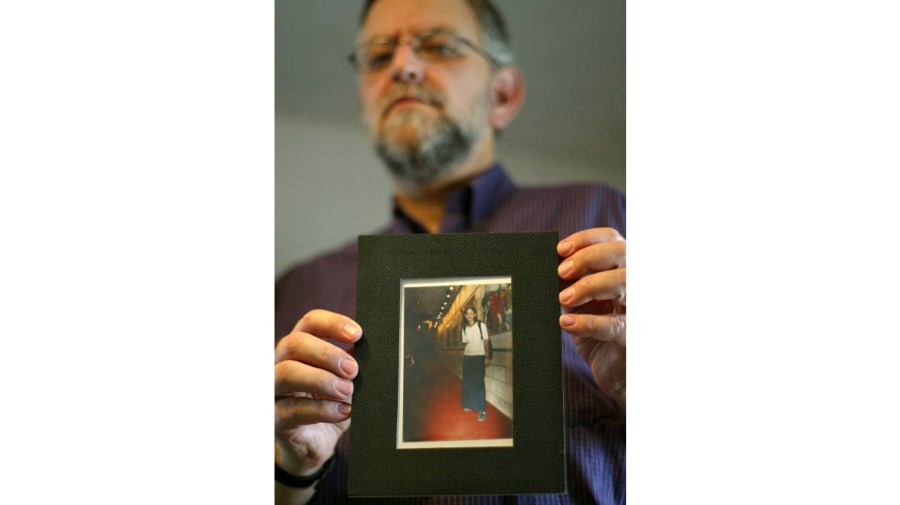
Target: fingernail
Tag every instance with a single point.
(349, 366)
(564, 247)
(567, 320)
(565, 267)
(566, 295)
(343, 409)
(343, 387)
(351, 330)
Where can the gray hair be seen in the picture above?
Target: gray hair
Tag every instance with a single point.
(495, 37)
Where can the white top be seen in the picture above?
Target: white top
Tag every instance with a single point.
(470, 337)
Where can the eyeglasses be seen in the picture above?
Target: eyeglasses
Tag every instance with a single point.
(432, 47)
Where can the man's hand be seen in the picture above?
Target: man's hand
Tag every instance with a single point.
(313, 391)
(593, 304)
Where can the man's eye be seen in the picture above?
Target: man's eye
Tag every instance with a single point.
(439, 48)
(378, 58)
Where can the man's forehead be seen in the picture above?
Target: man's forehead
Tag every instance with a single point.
(397, 18)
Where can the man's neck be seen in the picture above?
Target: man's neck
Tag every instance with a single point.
(428, 208)
(427, 203)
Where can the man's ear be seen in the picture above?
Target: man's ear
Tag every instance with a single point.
(507, 95)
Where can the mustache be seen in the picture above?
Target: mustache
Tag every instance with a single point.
(415, 91)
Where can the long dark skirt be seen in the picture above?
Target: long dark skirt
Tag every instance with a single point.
(473, 383)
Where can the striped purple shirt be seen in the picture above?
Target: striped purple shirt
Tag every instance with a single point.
(595, 429)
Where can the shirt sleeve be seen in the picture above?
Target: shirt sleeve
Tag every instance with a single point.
(464, 339)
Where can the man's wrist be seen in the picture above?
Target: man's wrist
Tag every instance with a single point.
(303, 481)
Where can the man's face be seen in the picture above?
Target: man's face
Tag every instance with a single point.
(425, 117)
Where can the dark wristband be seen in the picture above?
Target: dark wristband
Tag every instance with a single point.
(289, 480)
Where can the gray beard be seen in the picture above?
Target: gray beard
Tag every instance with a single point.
(440, 148)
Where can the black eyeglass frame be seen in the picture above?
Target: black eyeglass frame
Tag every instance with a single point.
(415, 43)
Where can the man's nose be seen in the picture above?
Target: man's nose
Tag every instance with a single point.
(406, 66)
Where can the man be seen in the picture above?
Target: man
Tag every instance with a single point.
(437, 81)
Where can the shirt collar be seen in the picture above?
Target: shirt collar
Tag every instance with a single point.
(469, 207)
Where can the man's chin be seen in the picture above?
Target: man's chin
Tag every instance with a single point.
(406, 138)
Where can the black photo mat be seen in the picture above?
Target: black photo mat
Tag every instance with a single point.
(535, 462)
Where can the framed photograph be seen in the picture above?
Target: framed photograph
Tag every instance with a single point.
(460, 384)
